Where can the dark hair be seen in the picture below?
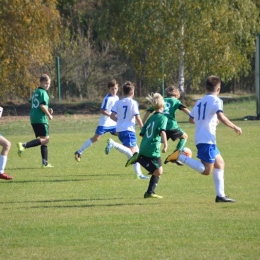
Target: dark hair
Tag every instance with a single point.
(212, 83)
(128, 87)
(44, 77)
(111, 83)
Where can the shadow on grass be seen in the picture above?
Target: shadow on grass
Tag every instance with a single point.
(39, 181)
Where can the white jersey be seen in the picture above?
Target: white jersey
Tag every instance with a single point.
(107, 104)
(126, 109)
(204, 114)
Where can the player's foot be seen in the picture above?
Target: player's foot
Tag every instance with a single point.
(77, 156)
(132, 160)
(224, 199)
(4, 176)
(20, 149)
(172, 157)
(152, 196)
(141, 176)
(109, 146)
(46, 166)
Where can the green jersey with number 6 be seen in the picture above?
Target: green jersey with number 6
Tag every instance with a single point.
(39, 97)
(151, 142)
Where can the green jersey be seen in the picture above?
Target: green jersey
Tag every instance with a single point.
(151, 142)
(170, 107)
(39, 97)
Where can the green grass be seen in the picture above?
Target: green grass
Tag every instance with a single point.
(95, 209)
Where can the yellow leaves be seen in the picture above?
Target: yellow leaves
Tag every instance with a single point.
(30, 30)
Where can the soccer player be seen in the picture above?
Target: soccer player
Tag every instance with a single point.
(206, 114)
(125, 112)
(39, 115)
(106, 124)
(171, 105)
(153, 133)
(6, 145)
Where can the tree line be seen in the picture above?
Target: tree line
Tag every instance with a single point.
(152, 43)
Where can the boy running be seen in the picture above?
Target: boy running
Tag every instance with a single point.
(206, 114)
(106, 124)
(153, 133)
(124, 113)
(39, 115)
(6, 145)
(171, 105)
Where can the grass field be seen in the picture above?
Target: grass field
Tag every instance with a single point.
(95, 209)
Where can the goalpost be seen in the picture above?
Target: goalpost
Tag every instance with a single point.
(257, 75)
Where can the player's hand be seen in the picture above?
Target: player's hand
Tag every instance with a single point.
(238, 130)
(50, 111)
(50, 117)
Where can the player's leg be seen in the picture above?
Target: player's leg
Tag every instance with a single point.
(176, 134)
(39, 130)
(218, 177)
(153, 165)
(6, 145)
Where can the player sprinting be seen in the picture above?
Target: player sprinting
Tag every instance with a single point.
(171, 105)
(153, 133)
(6, 145)
(39, 115)
(105, 124)
(206, 114)
(125, 112)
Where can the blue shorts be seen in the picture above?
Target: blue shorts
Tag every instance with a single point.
(207, 152)
(127, 138)
(105, 129)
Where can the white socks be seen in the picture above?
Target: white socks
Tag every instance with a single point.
(3, 161)
(122, 149)
(218, 177)
(192, 163)
(85, 146)
(127, 151)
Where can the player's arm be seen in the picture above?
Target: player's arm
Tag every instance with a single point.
(223, 119)
(105, 112)
(185, 110)
(191, 120)
(139, 121)
(164, 141)
(113, 116)
(46, 111)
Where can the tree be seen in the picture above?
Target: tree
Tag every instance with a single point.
(29, 31)
(212, 37)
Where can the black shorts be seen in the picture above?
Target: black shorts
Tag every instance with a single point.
(149, 163)
(40, 129)
(174, 134)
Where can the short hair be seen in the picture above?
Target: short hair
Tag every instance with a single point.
(111, 83)
(173, 91)
(212, 83)
(128, 87)
(44, 77)
(156, 100)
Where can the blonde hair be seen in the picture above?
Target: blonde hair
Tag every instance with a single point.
(173, 91)
(156, 100)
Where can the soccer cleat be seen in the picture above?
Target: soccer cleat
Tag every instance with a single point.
(152, 196)
(172, 157)
(20, 149)
(141, 176)
(108, 147)
(224, 199)
(4, 176)
(46, 166)
(77, 156)
(132, 160)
